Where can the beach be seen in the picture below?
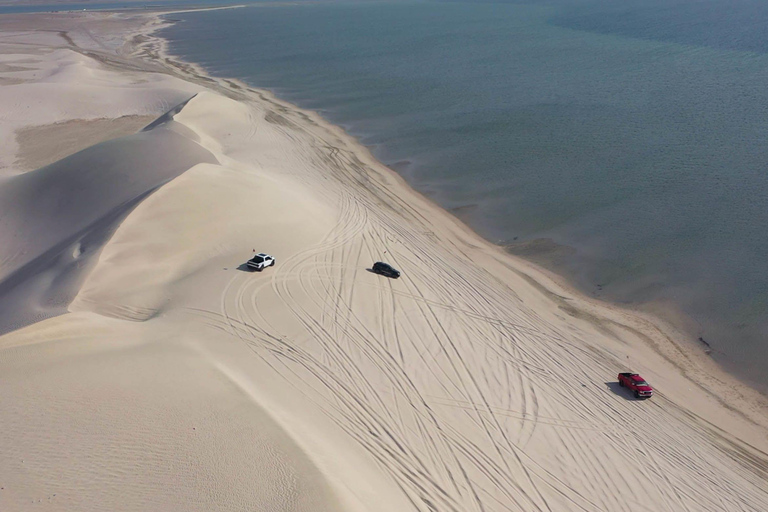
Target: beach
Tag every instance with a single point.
(144, 367)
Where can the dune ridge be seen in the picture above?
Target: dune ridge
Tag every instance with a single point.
(179, 380)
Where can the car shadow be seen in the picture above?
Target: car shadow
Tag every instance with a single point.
(245, 268)
(625, 393)
(380, 274)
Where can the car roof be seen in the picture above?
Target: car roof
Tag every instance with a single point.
(637, 377)
(262, 254)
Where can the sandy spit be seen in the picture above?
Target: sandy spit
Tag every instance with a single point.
(143, 367)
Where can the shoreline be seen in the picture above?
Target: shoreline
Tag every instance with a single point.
(716, 312)
(666, 314)
(662, 335)
(675, 326)
(453, 390)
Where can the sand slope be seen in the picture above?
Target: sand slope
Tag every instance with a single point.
(55, 218)
(116, 417)
(179, 380)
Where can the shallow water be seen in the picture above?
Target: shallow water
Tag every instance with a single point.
(632, 133)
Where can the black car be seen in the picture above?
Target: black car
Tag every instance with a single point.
(385, 269)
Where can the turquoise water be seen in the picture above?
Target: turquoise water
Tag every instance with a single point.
(631, 133)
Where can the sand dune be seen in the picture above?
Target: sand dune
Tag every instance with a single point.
(56, 217)
(64, 85)
(180, 380)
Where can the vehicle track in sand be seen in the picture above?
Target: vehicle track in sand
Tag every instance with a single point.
(467, 396)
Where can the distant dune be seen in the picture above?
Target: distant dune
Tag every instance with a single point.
(144, 367)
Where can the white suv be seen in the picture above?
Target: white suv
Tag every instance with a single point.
(261, 261)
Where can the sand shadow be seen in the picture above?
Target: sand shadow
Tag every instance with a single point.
(625, 393)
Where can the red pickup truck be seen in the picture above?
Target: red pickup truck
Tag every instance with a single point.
(637, 384)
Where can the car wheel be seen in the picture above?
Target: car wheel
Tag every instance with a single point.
(273, 263)
(637, 395)
(621, 383)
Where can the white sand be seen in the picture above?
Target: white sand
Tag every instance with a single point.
(180, 381)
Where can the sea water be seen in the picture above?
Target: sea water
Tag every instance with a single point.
(621, 143)
(22, 8)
